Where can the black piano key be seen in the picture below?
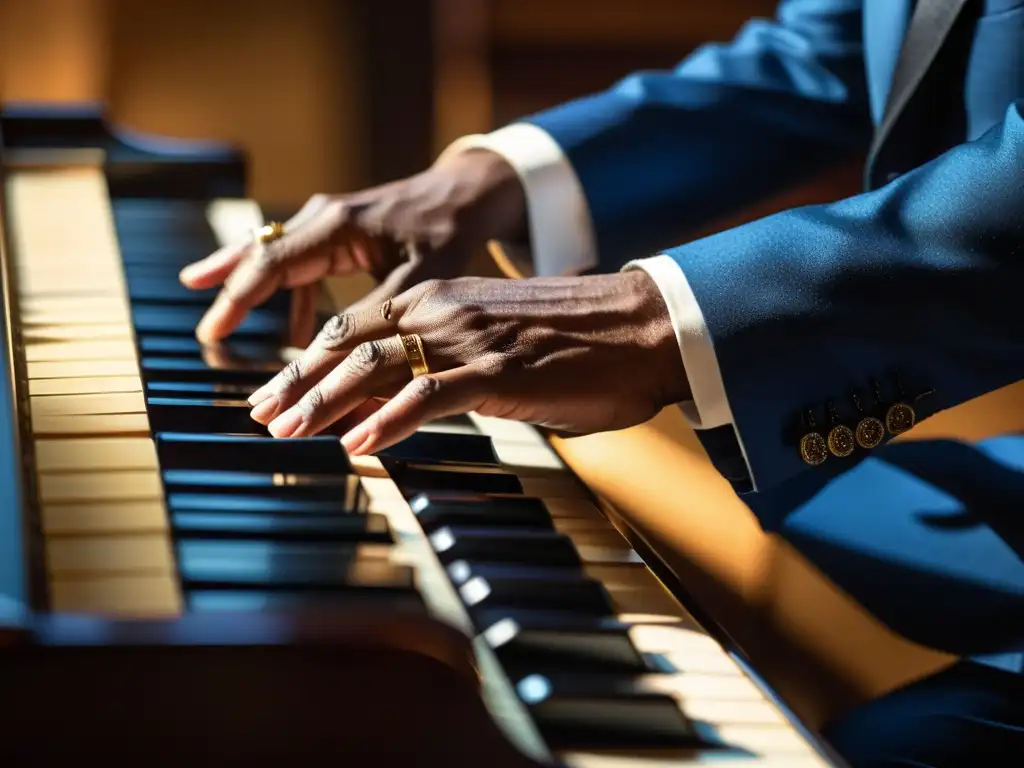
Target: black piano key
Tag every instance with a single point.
(416, 480)
(154, 290)
(200, 390)
(254, 503)
(434, 510)
(548, 640)
(160, 284)
(343, 489)
(173, 414)
(177, 252)
(144, 216)
(191, 369)
(308, 455)
(173, 237)
(181, 321)
(288, 565)
(253, 600)
(148, 271)
(188, 346)
(168, 247)
(540, 589)
(517, 546)
(210, 481)
(366, 528)
(577, 712)
(444, 448)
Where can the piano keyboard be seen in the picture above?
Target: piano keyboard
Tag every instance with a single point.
(157, 496)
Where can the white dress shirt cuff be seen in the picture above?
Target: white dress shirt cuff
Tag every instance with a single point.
(709, 406)
(562, 240)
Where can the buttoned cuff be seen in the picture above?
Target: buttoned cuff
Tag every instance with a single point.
(709, 406)
(562, 240)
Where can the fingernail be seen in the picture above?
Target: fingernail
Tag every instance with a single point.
(203, 331)
(264, 411)
(261, 394)
(355, 439)
(286, 424)
(187, 273)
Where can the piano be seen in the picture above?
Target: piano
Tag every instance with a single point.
(175, 585)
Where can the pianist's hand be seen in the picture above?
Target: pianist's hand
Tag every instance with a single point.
(447, 212)
(580, 354)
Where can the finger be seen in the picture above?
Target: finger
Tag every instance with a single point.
(302, 323)
(355, 417)
(424, 399)
(339, 336)
(252, 283)
(398, 281)
(372, 367)
(214, 269)
(302, 256)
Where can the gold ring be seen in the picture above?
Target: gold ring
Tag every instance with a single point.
(385, 310)
(269, 232)
(412, 345)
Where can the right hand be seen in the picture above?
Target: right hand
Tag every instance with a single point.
(405, 232)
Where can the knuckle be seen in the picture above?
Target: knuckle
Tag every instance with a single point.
(313, 400)
(424, 387)
(366, 357)
(272, 255)
(290, 376)
(336, 212)
(429, 292)
(337, 330)
(431, 289)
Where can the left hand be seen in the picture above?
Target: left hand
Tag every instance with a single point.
(577, 354)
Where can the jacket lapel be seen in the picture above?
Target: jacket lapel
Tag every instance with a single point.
(929, 27)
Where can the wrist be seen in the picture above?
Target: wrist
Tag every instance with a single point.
(658, 335)
(495, 203)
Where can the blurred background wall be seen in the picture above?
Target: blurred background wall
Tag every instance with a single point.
(330, 95)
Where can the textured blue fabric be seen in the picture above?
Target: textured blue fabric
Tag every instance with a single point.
(926, 535)
(922, 276)
(661, 152)
(967, 716)
(856, 288)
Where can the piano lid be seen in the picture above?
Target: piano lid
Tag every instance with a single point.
(136, 164)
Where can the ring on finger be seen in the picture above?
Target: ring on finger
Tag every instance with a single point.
(268, 233)
(412, 346)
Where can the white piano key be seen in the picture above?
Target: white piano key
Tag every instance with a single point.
(412, 548)
(67, 351)
(83, 405)
(713, 758)
(93, 385)
(83, 332)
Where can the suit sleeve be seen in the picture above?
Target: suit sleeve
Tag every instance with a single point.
(887, 296)
(660, 153)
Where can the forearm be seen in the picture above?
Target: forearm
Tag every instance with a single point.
(624, 173)
(660, 154)
(808, 307)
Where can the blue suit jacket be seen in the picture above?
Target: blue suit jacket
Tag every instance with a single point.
(919, 275)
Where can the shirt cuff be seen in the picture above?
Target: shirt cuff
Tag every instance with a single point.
(562, 240)
(709, 406)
